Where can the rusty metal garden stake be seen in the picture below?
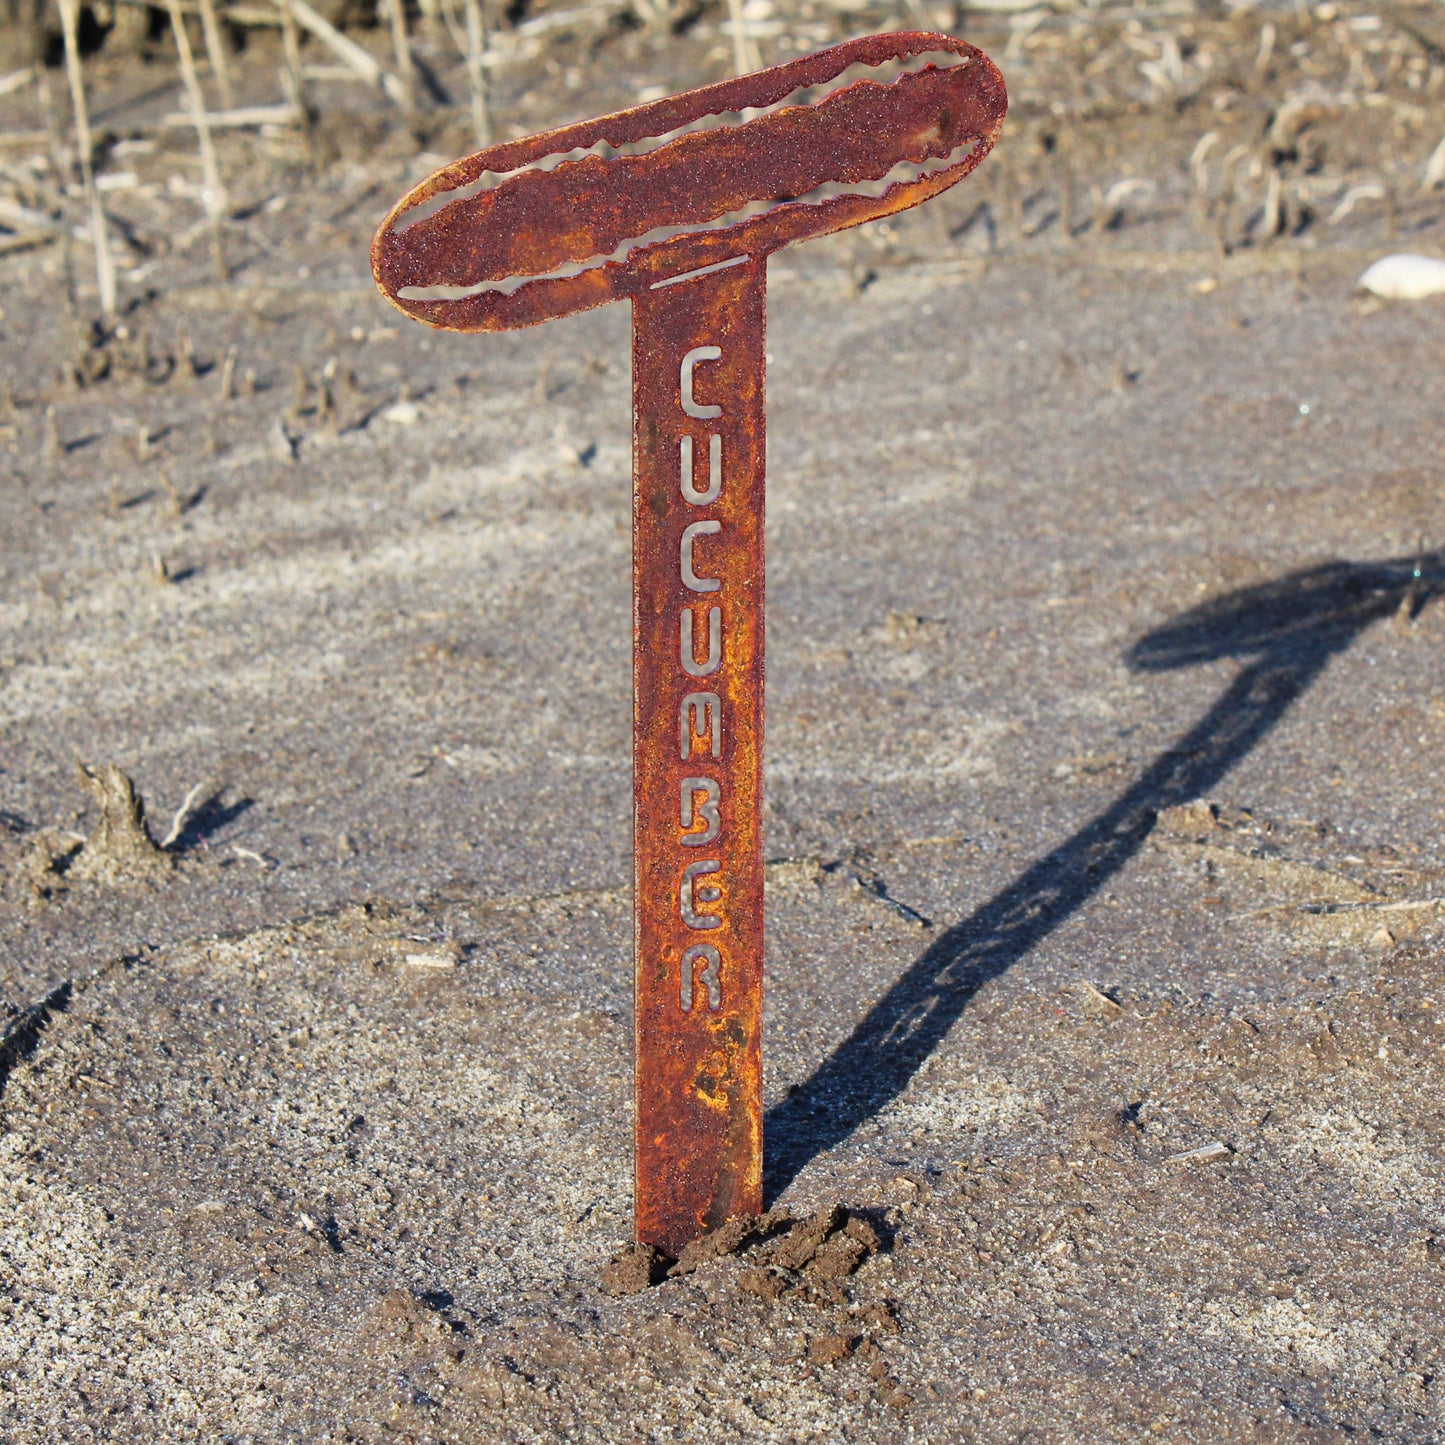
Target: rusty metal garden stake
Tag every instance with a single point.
(677, 205)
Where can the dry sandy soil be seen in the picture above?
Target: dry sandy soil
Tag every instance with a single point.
(1107, 705)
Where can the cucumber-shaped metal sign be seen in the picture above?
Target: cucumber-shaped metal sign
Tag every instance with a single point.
(677, 205)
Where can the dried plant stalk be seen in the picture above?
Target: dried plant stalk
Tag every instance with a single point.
(99, 235)
(746, 56)
(216, 51)
(401, 43)
(476, 71)
(1434, 169)
(293, 76)
(213, 193)
(347, 51)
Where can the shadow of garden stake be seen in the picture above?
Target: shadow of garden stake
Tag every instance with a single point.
(677, 206)
(1290, 629)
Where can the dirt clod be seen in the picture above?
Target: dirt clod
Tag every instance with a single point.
(45, 862)
(804, 1256)
(837, 1258)
(120, 848)
(766, 1284)
(878, 1316)
(634, 1268)
(733, 1237)
(1189, 819)
(801, 1243)
(403, 1322)
(831, 1349)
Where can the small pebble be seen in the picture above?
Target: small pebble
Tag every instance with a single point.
(431, 960)
(1405, 278)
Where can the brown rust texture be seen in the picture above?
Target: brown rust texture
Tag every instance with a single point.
(698, 1034)
(677, 205)
(546, 218)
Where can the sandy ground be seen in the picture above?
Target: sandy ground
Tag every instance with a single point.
(1106, 710)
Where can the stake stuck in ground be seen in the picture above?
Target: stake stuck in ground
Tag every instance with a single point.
(677, 205)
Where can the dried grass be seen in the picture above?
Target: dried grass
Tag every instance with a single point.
(85, 147)
(1260, 116)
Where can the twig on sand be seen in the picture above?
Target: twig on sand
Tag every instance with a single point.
(1326, 907)
(1435, 168)
(1402, 905)
(228, 375)
(183, 816)
(1100, 1001)
(20, 218)
(1205, 1154)
(28, 240)
(99, 236)
(250, 115)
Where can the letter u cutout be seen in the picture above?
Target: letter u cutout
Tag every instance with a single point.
(713, 490)
(686, 646)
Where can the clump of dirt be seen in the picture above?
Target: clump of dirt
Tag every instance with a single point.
(634, 1268)
(790, 1259)
(43, 866)
(734, 1237)
(1189, 820)
(792, 1255)
(810, 1259)
(404, 1323)
(830, 1245)
(120, 848)
(830, 1349)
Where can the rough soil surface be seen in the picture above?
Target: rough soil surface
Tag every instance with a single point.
(1107, 702)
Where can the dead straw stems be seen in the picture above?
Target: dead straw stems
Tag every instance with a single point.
(216, 51)
(99, 235)
(746, 56)
(213, 194)
(476, 71)
(405, 68)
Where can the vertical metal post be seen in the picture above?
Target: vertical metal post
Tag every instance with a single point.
(698, 371)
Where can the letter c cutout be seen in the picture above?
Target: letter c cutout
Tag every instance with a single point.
(698, 353)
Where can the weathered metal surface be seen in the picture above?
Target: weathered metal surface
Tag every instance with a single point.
(678, 205)
(697, 556)
(559, 222)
